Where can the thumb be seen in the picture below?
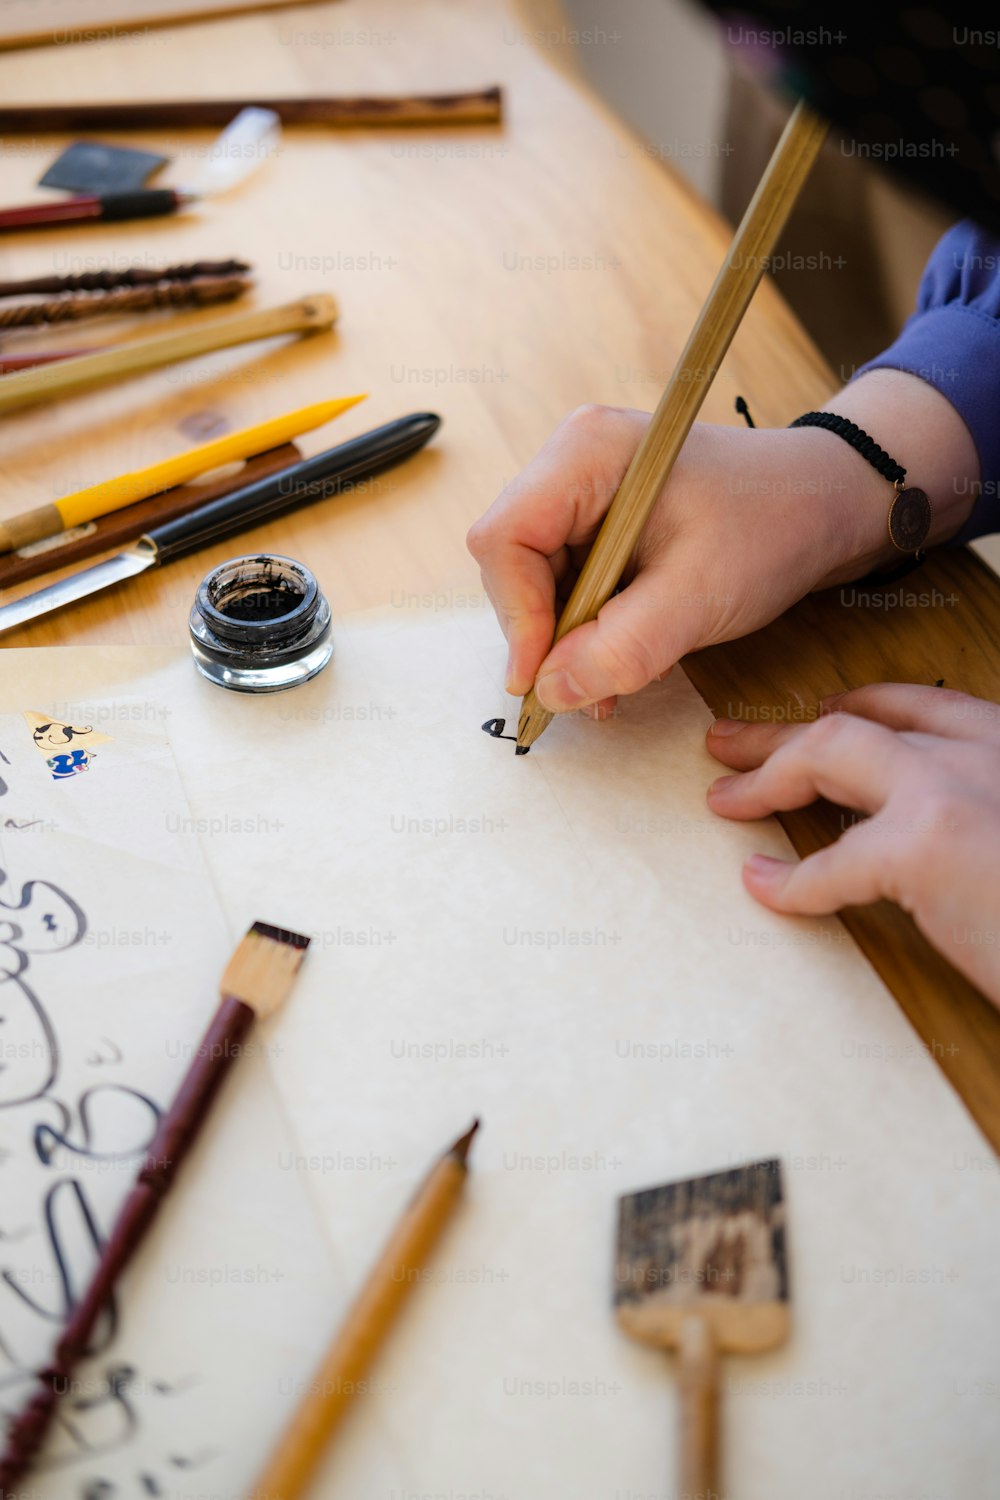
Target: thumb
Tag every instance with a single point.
(635, 638)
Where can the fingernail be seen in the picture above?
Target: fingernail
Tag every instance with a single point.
(724, 727)
(722, 781)
(766, 867)
(558, 691)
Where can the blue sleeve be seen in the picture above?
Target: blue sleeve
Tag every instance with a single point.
(953, 342)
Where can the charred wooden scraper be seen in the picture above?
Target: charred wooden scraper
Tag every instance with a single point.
(701, 1268)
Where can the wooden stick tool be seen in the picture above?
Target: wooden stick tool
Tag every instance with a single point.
(474, 107)
(701, 1269)
(366, 1326)
(256, 982)
(28, 387)
(702, 355)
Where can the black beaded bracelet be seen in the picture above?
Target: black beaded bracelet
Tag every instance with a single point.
(853, 434)
(909, 517)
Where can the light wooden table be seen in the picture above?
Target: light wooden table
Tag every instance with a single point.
(497, 276)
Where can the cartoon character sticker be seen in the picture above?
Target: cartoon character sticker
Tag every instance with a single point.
(67, 748)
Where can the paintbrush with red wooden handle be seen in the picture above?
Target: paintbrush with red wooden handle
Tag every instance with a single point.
(256, 981)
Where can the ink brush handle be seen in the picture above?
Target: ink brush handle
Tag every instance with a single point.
(91, 208)
(314, 479)
(221, 1044)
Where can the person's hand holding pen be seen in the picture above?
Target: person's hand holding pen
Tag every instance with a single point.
(748, 523)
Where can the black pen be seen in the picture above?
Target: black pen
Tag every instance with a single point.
(312, 479)
(144, 203)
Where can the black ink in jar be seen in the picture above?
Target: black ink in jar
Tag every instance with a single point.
(260, 624)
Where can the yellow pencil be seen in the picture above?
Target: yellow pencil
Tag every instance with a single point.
(126, 489)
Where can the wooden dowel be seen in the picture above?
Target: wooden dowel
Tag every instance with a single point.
(698, 1437)
(476, 107)
(307, 315)
(711, 336)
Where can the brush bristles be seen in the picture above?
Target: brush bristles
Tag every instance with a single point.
(264, 966)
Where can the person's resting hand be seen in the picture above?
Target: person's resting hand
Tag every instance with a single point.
(924, 764)
(748, 523)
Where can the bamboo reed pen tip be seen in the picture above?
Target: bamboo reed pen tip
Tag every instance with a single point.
(460, 1150)
(261, 971)
(532, 722)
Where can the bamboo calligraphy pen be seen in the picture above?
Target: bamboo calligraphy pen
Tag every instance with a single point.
(367, 1324)
(702, 355)
(256, 982)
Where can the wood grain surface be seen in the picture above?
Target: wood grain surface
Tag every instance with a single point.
(498, 275)
(940, 622)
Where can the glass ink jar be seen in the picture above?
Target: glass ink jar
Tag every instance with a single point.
(260, 624)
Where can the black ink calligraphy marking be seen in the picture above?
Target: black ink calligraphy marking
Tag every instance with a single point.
(98, 1059)
(21, 940)
(109, 1122)
(196, 1461)
(46, 1139)
(495, 728)
(68, 1219)
(111, 1417)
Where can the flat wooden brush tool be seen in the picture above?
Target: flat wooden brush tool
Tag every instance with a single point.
(257, 980)
(701, 1268)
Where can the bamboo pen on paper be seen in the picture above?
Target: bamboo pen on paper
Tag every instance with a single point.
(255, 983)
(711, 336)
(366, 1326)
(113, 494)
(312, 314)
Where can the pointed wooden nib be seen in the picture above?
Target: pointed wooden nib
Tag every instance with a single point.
(461, 1146)
(532, 721)
(710, 1247)
(261, 971)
